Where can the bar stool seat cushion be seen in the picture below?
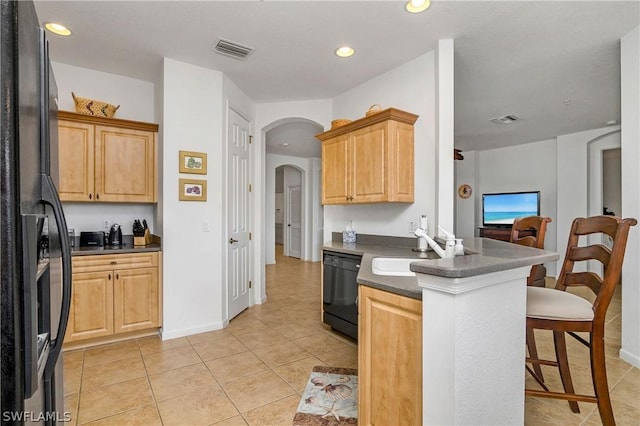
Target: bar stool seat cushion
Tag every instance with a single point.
(548, 303)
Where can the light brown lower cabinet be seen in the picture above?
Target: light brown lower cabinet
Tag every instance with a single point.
(389, 358)
(113, 294)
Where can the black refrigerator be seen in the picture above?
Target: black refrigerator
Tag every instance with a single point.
(35, 254)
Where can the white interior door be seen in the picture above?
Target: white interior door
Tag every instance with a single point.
(238, 205)
(294, 225)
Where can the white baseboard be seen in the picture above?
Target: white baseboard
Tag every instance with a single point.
(172, 334)
(632, 359)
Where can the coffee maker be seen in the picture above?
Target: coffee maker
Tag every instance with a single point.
(115, 235)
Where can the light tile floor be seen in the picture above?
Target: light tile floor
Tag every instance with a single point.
(253, 371)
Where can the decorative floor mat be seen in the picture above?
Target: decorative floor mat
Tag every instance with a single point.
(330, 398)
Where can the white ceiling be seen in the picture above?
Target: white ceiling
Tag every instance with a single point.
(511, 57)
(296, 139)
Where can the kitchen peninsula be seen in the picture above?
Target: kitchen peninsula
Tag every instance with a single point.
(469, 325)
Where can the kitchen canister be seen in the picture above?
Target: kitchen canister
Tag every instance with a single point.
(349, 234)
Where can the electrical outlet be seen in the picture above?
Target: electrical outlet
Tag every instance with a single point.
(412, 227)
(105, 225)
(205, 226)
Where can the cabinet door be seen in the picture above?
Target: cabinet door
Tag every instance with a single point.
(369, 164)
(91, 313)
(401, 162)
(135, 299)
(335, 170)
(125, 165)
(389, 358)
(75, 161)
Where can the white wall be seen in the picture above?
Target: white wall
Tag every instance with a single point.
(573, 178)
(193, 260)
(465, 173)
(630, 78)
(527, 167)
(318, 210)
(135, 97)
(136, 100)
(159, 115)
(91, 216)
(409, 87)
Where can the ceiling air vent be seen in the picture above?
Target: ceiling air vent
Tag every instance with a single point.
(232, 49)
(505, 119)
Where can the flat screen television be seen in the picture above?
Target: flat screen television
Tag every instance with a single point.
(500, 209)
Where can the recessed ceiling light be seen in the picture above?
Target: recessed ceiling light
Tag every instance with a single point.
(612, 122)
(417, 6)
(284, 144)
(345, 51)
(57, 28)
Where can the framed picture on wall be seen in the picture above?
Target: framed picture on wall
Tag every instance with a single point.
(193, 162)
(193, 190)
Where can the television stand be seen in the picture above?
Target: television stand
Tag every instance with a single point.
(503, 234)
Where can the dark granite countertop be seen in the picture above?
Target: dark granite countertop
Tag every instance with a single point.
(371, 248)
(490, 256)
(125, 248)
(485, 256)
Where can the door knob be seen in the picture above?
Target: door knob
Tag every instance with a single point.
(231, 241)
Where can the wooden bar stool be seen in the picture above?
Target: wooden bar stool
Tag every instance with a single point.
(563, 312)
(539, 224)
(538, 272)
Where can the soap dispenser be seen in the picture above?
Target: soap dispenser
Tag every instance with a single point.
(459, 248)
(449, 244)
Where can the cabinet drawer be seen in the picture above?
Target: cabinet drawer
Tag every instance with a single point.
(112, 262)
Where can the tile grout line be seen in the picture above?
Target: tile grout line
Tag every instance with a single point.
(221, 386)
(153, 394)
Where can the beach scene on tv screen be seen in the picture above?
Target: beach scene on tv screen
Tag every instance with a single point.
(502, 209)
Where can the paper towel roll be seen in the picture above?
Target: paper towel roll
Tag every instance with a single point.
(423, 222)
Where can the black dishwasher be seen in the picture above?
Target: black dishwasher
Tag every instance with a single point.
(340, 292)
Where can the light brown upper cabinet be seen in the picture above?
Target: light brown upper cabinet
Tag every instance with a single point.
(106, 159)
(369, 160)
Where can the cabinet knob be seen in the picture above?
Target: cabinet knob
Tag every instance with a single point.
(109, 277)
(97, 196)
(113, 262)
(90, 196)
(117, 276)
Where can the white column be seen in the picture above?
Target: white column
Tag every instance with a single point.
(630, 95)
(473, 356)
(445, 117)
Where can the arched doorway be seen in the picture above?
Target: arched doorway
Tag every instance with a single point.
(290, 146)
(600, 172)
(289, 211)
